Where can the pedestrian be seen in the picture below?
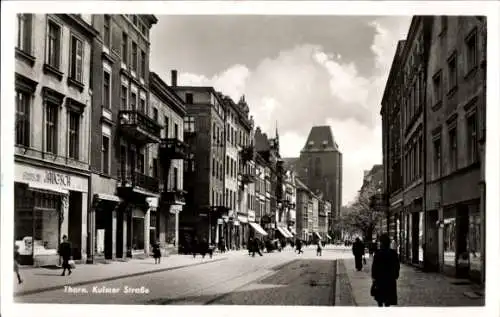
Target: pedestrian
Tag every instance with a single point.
(256, 247)
(385, 273)
(250, 246)
(16, 263)
(65, 253)
(358, 250)
(299, 246)
(157, 252)
(319, 248)
(195, 246)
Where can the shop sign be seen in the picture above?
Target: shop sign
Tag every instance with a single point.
(251, 216)
(30, 174)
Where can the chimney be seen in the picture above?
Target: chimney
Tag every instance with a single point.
(174, 78)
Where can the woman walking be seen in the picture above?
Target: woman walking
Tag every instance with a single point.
(385, 272)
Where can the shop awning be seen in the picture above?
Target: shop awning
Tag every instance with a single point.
(283, 233)
(290, 235)
(258, 228)
(107, 197)
(47, 188)
(318, 235)
(242, 219)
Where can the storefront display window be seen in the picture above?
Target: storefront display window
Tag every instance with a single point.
(138, 233)
(421, 237)
(449, 235)
(474, 242)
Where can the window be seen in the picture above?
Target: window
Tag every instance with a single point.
(214, 132)
(444, 24)
(22, 119)
(107, 31)
(176, 130)
(76, 68)
(438, 93)
(452, 72)
(227, 165)
(437, 156)
(105, 154)
(189, 124)
(189, 98)
(176, 178)
(143, 64)
(53, 44)
(214, 168)
(421, 157)
(106, 92)
(134, 19)
(452, 135)
(143, 106)
(166, 126)
(134, 56)
(133, 101)
(124, 48)
(124, 96)
(471, 43)
(155, 114)
(24, 32)
(51, 128)
(140, 162)
(74, 135)
(472, 138)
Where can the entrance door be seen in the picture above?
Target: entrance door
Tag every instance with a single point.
(462, 254)
(431, 257)
(75, 224)
(415, 237)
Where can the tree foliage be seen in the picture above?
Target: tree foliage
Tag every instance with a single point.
(361, 217)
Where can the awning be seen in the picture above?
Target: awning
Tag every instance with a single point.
(242, 219)
(290, 235)
(292, 230)
(258, 228)
(283, 233)
(47, 188)
(318, 235)
(107, 197)
(328, 236)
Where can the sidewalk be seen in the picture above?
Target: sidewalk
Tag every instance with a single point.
(415, 288)
(36, 280)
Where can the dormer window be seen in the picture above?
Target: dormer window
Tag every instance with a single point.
(311, 143)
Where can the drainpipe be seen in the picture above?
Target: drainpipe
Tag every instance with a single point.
(90, 205)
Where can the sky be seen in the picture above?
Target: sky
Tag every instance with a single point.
(298, 71)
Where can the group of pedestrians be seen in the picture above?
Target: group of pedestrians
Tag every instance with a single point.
(385, 269)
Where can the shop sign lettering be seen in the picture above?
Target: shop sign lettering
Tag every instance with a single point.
(50, 177)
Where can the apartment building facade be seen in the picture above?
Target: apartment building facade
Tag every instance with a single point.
(206, 214)
(167, 162)
(123, 188)
(456, 116)
(51, 162)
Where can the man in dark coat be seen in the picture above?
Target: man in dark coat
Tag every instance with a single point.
(65, 253)
(256, 247)
(358, 250)
(385, 272)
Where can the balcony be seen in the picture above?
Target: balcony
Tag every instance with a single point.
(247, 178)
(173, 148)
(247, 154)
(174, 197)
(139, 126)
(138, 181)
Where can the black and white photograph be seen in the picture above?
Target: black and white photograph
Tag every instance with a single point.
(230, 158)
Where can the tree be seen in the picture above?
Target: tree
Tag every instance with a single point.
(364, 214)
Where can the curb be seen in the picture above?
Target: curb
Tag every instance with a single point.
(112, 278)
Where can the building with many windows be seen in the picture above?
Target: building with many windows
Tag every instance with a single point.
(167, 162)
(206, 214)
(433, 115)
(123, 186)
(52, 134)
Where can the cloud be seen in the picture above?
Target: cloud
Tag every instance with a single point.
(305, 85)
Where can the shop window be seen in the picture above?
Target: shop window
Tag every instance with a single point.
(449, 237)
(474, 241)
(137, 233)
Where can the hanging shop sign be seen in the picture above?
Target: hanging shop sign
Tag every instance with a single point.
(37, 175)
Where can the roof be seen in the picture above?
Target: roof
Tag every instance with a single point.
(320, 139)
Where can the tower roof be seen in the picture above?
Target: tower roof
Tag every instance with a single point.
(320, 139)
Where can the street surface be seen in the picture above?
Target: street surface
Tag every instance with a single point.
(279, 278)
(235, 278)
